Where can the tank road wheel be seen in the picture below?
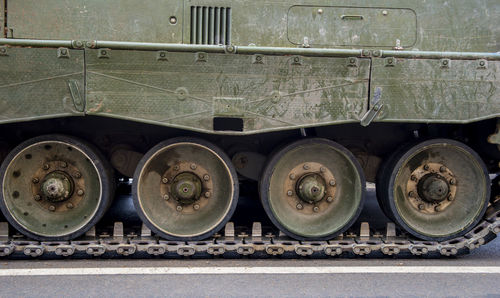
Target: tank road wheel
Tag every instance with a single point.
(54, 187)
(185, 189)
(312, 189)
(437, 190)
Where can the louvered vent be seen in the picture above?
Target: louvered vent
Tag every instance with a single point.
(210, 25)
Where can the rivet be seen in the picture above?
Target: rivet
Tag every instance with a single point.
(164, 180)
(78, 175)
(103, 52)
(166, 197)
(35, 180)
(289, 193)
(442, 169)
(320, 11)
(352, 60)
(64, 51)
(306, 167)
(299, 206)
(193, 166)
(173, 20)
(80, 192)
(332, 182)
(384, 12)
(179, 208)
(69, 206)
(206, 177)
(316, 209)
(413, 178)
(46, 166)
(296, 59)
(52, 208)
(196, 206)
(37, 198)
(426, 167)
(207, 194)
(292, 176)
(421, 206)
(481, 63)
(329, 199)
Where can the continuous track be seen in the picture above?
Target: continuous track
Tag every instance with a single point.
(247, 241)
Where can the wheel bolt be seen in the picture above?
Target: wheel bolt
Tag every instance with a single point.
(196, 206)
(35, 180)
(322, 169)
(426, 167)
(176, 168)
(316, 209)
(413, 178)
(166, 197)
(332, 182)
(289, 193)
(452, 181)
(306, 167)
(80, 192)
(52, 208)
(179, 208)
(46, 166)
(421, 206)
(437, 208)
(193, 166)
(442, 169)
(299, 206)
(329, 199)
(292, 176)
(207, 194)
(37, 198)
(450, 197)
(164, 180)
(63, 164)
(78, 175)
(411, 194)
(69, 206)
(206, 177)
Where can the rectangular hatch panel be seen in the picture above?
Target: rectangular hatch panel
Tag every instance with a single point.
(352, 26)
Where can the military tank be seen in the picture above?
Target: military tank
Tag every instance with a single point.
(298, 103)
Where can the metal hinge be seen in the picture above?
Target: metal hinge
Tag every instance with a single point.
(375, 109)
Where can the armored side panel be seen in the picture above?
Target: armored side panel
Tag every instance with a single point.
(128, 20)
(40, 83)
(250, 93)
(424, 90)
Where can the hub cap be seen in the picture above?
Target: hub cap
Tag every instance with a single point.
(311, 188)
(57, 186)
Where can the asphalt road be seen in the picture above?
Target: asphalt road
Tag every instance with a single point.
(475, 274)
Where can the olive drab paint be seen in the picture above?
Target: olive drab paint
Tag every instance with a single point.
(254, 66)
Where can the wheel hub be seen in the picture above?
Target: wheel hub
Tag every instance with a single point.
(311, 188)
(186, 188)
(57, 186)
(431, 188)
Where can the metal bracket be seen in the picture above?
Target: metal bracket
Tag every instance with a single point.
(445, 63)
(103, 53)
(161, 56)
(76, 95)
(62, 53)
(258, 59)
(375, 109)
(352, 62)
(296, 60)
(390, 61)
(482, 64)
(3, 51)
(200, 57)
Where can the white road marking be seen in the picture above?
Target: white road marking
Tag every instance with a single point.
(253, 270)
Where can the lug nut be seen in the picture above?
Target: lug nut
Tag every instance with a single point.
(207, 194)
(63, 164)
(421, 206)
(196, 206)
(292, 176)
(332, 182)
(437, 208)
(46, 166)
(452, 181)
(166, 197)
(289, 193)
(450, 197)
(78, 175)
(442, 169)
(35, 180)
(299, 206)
(411, 194)
(426, 167)
(176, 168)
(164, 180)
(193, 166)
(69, 206)
(52, 208)
(37, 198)
(306, 167)
(206, 177)
(179, 208)
(322, 169)
(329, 199)
(413, 178)
(80, 192)
(316, 209)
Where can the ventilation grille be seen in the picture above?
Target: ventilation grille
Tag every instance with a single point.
(210, 25)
